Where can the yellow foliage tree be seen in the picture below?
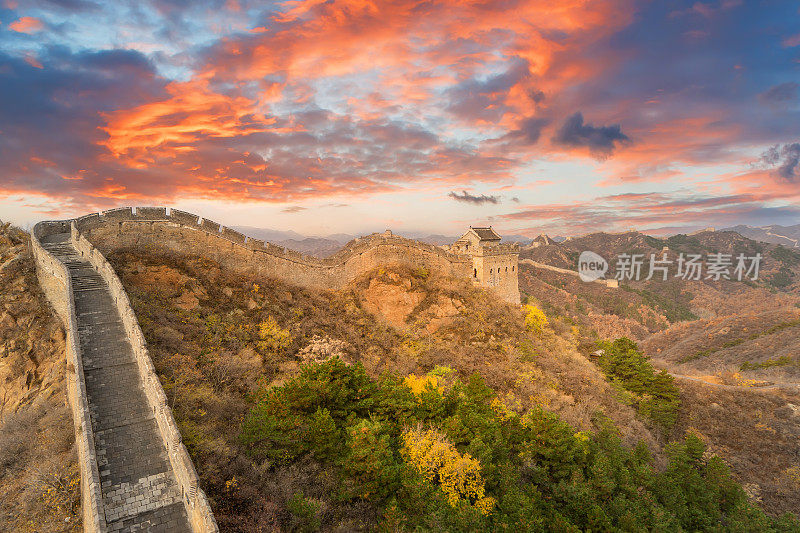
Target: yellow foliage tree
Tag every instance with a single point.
(459, 476)
(272, 338)
(419, 384)
(535, 319)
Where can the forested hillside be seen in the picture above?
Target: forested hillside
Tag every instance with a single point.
(734, 345)
(410, 402)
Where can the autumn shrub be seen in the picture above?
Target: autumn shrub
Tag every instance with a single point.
(438, 461)
(535, 319)
(272, 339)
(304, 513)
(418, 384)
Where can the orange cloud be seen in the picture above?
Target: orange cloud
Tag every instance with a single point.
(191, 113)
(402, 55)
(406, 45)
(27, 25)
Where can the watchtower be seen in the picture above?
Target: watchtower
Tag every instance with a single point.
(494, 264)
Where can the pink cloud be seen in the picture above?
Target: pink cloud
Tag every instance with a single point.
(27, 25)
(794, 40)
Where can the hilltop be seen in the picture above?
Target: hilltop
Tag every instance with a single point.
(786, 235)
(642, 307)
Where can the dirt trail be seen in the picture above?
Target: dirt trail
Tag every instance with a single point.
(766, 386)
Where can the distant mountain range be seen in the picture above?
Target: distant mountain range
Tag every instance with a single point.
(317, 246)
(327, 245)
(324, 246)
(785, 235)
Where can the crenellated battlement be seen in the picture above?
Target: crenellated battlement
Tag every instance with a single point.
(186, 232)
(195, 222)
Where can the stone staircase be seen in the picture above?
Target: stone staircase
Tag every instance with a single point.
(139, 490)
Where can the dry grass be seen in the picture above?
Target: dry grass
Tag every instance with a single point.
(39, 480)
(756, 433)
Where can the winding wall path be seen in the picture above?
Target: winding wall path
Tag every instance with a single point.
(135, 472)
(179, 231)
(138, 487)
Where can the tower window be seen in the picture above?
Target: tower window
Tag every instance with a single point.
(475, 272)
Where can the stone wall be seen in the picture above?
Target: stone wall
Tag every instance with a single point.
(194, 499)
(611, 283)
(57, 286)
(187, 233)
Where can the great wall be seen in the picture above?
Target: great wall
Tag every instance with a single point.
(136, 474)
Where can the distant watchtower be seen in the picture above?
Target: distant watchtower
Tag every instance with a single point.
(494, 265)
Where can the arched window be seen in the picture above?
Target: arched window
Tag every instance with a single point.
(490, 271)
(512, 269)
(506, 269)
(475, 272)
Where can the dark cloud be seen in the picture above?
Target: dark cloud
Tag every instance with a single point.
(601, 140)
(784, 92)
(476, 99)
(785, 160)
(56, 116)
(293, 209)
(536, 96)
(472, 199)
(531, 129)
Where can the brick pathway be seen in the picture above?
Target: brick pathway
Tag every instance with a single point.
(137, 482)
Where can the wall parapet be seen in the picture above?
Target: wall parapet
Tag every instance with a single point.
(56, 283)
(197, 507)
(195, 222)
(500, 249)
(189, 233)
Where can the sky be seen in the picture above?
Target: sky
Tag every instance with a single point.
(420, 116)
